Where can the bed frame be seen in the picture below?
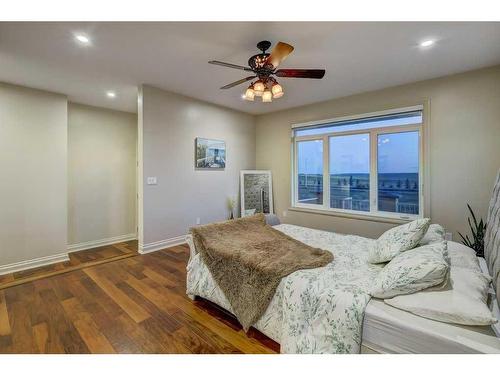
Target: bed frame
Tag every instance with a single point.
(492, 238)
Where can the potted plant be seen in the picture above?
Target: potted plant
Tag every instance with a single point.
(478, 230)
(231, 203)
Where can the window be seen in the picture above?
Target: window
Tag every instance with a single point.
(369, 122)
(310, 172)
(368, 165)
(350, 172)
(397, 172)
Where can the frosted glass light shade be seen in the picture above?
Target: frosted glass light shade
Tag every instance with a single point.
(277, 91)
(259, 88)
(267, 97)
(250, 94)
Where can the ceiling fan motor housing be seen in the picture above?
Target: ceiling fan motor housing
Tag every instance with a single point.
(259, 62)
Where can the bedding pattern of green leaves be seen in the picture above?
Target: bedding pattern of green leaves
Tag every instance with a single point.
(313, 311)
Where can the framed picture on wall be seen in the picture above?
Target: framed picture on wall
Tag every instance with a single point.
(210, 154)
(256, 189)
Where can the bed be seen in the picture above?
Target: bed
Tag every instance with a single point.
(347, 320)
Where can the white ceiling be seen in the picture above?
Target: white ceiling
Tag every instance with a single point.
(171, 55)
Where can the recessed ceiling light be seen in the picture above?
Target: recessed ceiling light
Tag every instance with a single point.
(427, 43)
(111, 94)
(82, 39)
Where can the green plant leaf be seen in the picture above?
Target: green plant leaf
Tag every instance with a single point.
(473, 216)
(478, 230)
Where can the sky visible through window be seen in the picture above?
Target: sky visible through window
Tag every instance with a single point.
(399, 119)
(310, 157)
(350, 154)
(398, 153)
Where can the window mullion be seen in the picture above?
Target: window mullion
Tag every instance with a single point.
(295, 177)
(373, 172)
(326, 174)
(421, 196)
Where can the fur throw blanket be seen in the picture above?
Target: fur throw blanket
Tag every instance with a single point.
(248, 259)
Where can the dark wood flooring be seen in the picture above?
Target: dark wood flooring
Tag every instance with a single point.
(77, 260)
(132, 305)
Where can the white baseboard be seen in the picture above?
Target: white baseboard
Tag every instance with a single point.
(63, 257)
(103, 242)
(33, 263)
(163, 244)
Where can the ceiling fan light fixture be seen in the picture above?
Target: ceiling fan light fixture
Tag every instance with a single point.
(250, 94)
(277, 90)
(264, 68)
(267, 96)
(259, 88)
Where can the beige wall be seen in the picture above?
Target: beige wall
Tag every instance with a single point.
(101, 174)
(464, 157)
(170, 123)
(464, 146)
(33, 188)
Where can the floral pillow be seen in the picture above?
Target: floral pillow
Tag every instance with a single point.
(435, 233)
(397, 240)
(413, 270)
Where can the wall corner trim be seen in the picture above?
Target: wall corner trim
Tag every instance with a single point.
(160, 245)
(102, 242)
(33, 263)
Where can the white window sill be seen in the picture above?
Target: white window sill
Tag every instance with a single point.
(358, 216)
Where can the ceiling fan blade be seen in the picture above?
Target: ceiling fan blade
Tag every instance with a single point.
(279, 53)
(236, 83)
(229, 65)
(300, 73)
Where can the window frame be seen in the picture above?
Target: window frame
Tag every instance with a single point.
(374, 213)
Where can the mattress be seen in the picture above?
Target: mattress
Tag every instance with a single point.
(390, 330)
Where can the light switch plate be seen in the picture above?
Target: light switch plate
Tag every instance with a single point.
(151, 180)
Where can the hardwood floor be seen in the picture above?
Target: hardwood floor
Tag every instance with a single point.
(132, 305)
(77, 260)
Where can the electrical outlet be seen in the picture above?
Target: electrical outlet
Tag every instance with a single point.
(448, 236)
(151, 180)
(198, 221)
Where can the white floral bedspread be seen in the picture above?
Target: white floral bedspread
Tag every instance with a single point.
(313, 311)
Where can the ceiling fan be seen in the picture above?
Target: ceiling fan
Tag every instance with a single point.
(264, 67)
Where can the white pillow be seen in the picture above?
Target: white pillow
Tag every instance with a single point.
(412, 271)
(463, 256)
(435, 233)
(396, 240)
(463, 303)
(250, 212)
